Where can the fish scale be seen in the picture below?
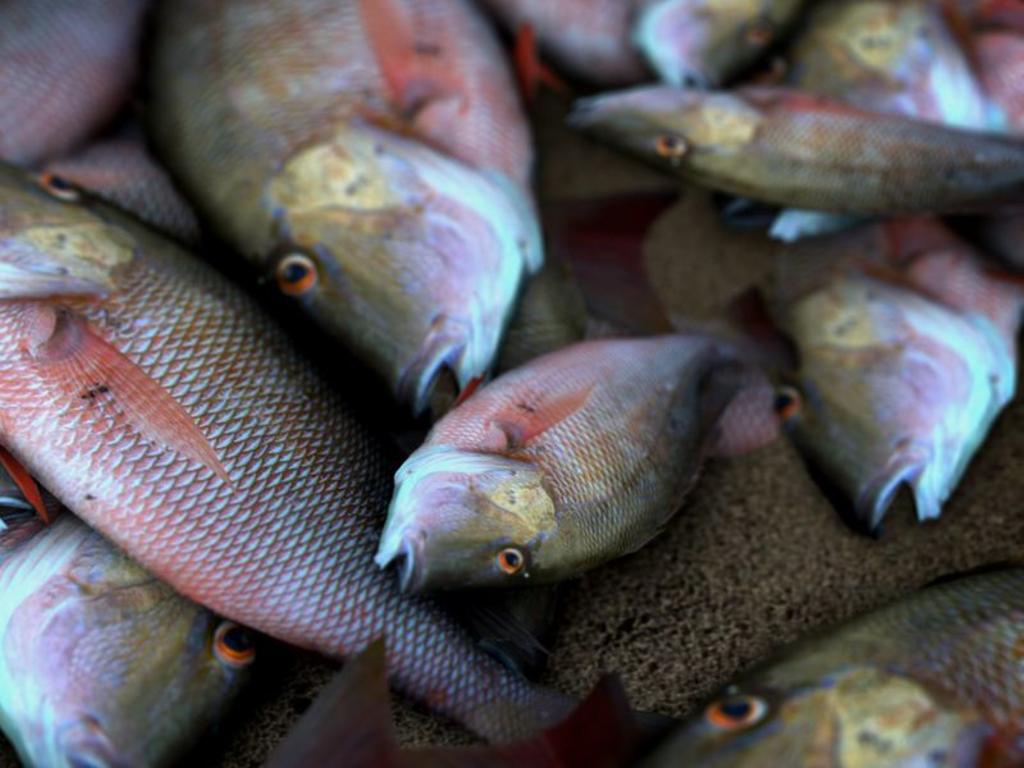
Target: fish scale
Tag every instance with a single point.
(66, 67)
(284, 546)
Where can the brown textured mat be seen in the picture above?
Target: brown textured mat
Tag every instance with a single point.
(756, 557)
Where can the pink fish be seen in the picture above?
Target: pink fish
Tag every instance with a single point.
(66, 67)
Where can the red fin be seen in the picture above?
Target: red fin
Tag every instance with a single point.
(468, 390)
(90, 369)
(533, 415)
(350, 722)
(26, 484)
(415, 72)
(531, 70)
(602, 240)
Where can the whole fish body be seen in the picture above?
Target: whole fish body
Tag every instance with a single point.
(371, 156)
(157, 402)
(932, 680)
(904, 363)
(66, 67)
(788, 148)
(706, 43)
(575, 458)
(101, 664)
(589, 39)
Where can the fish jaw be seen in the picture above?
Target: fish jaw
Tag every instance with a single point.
(421, 257)
(669, 41)
(454, 511)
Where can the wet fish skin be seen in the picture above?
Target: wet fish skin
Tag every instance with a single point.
(1000, 62)
(237, 475)
(66, 67)
(785, 147)
(901, 374)
(102, 664)
(705, 43)
(932, 679)
(575, 458)
(395, 166)
(590, 39)
(899, 58)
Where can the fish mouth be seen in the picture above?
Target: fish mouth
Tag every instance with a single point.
(906, 468)
(409, 562)
(446, 346)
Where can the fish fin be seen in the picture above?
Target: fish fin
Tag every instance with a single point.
(602, 241)
(601, 732)
(748, 422)
(90, 368)
(510, 625)
(349, 723)
(532, 72)
(531, 417)
(413, 71)
(467, 391)
(26, 484)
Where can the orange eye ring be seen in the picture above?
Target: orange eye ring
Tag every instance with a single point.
(788, 403)
(736, 712)
(511, 560)
(760, 33)
(296, 274)
(59, 187)
(234, 645)
(671, 146)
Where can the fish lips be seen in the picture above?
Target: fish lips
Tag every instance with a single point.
(906, 468)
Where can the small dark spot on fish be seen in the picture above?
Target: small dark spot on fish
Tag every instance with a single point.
(526, 407)
(428, 49)
(90, 497)
(62, 240)
(938, 757)
(378, 149)
(95, 391)
(867, 738)
(355, 185)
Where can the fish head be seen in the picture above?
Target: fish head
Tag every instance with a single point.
(852, 717)
(894, 390)
(669, 126)
(467, 519)
(410, 257)
(110, 667)
(702, 44)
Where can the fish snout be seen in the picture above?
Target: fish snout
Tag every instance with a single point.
(906, 468)
(84, 743)
(410, 562)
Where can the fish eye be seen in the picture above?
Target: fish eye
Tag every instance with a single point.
(296, 274)
(234, 645)
(760, 32)
(59, 187)
(787, 403)
(511, 560)
(671, 146)
(736, 712)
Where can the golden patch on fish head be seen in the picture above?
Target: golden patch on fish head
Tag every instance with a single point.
(722, 122)
(873, 36)
(883, 716)
(521, 496)
(842, 316)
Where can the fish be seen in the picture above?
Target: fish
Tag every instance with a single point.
(121, 170)
(350, 725)
(907, 354)
(67, 68)
(370, 158)
(933, 679)
(789, 148)
(161, 405)
(999, 57)
(102, 664)
(573, 459)
(900, 58)
(589, 39)
(706, 43)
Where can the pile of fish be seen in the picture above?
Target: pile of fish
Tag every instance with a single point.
(203, 248)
